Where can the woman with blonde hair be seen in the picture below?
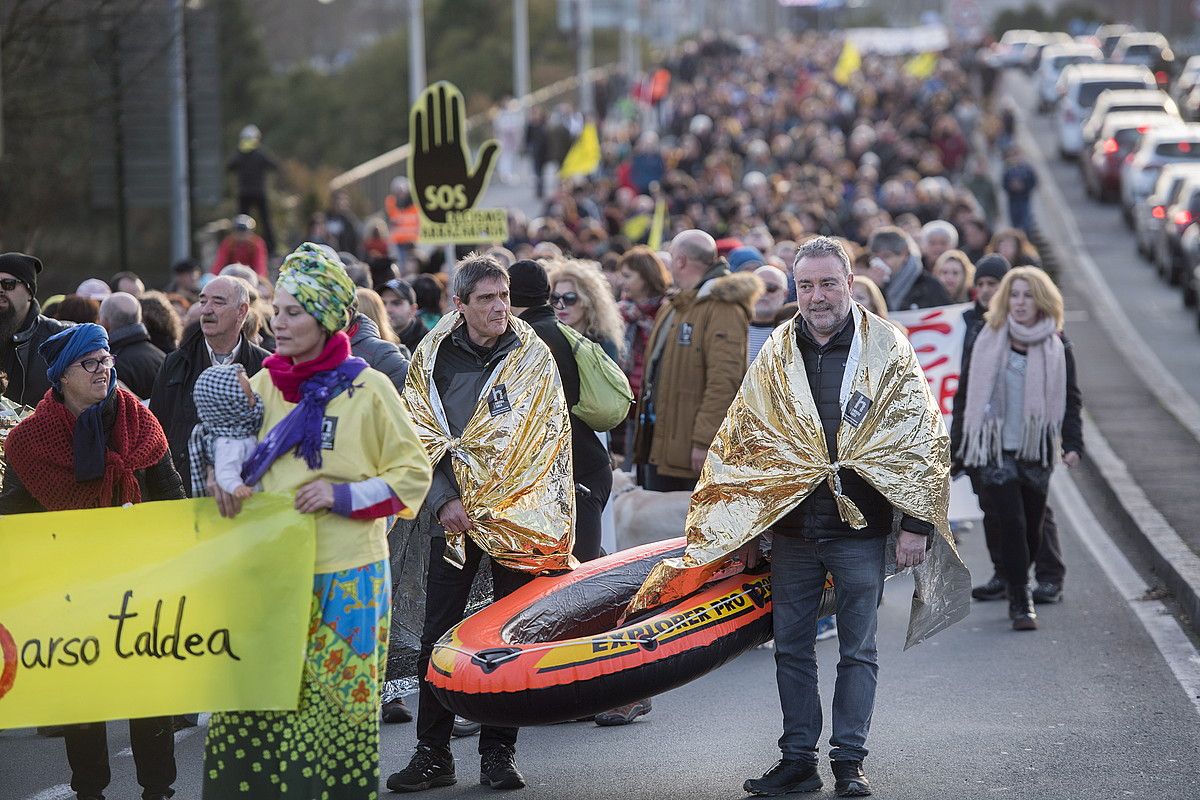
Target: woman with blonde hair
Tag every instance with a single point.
(582, 299)
(371, 305)
(956, 272)
(1022, 414)
(867, 294)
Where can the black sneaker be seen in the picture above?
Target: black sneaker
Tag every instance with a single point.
(428, 768)
(849, 779)
(787, 776)
(1048, 592)
(995, 589)
(498, 768)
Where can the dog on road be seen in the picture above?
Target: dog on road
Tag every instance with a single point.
(642, 517)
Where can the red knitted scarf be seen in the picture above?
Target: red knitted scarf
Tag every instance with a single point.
(40, 450)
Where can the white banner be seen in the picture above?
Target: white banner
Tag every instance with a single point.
(937, 335)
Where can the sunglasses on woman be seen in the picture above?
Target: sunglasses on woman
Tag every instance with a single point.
(564, 300)
(94, 365)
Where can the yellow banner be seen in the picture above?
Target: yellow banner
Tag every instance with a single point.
(153, 610)
(584, 156)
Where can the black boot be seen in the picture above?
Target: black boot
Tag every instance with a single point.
(992, 590)
(1020, 608)
(786, 777)
(429, 767)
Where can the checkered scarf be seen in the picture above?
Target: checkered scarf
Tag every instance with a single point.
(223, 411)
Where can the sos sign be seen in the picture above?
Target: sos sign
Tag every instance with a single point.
(447, 181)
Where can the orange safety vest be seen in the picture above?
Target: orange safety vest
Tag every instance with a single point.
(406, 222)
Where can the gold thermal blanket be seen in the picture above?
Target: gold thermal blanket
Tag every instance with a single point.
(513, 467)
(770, 454)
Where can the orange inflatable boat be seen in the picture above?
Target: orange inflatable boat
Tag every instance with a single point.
(553, 650)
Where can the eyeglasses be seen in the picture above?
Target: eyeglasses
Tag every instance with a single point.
(8, 284)
(564, 300)
(94, 365)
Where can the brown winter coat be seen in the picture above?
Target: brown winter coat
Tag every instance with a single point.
(697, 378)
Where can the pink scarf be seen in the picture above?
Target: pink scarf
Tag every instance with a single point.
(1045, 393)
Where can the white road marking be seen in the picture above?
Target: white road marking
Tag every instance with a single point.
(61, 792)
(1174, 645)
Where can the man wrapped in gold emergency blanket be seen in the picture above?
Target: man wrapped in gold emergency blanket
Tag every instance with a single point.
(770, 453)
(513, 469)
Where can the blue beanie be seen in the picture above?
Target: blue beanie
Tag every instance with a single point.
(745, 257)
(63, 349)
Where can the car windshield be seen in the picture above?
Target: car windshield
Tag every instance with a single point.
(1088, 92)
(1142, 50)
(1064, 61)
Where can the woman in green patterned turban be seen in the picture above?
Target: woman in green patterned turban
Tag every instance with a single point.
(319, 284)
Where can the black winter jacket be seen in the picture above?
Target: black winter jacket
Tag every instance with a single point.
(1072, 424)
(20, 360)
(588, 452)
(927, 292)
(171, 401)
(138, 360)
(379, 354)
(817, 515)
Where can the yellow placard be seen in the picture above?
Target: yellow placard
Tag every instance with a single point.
(153, 610)
(477, 226)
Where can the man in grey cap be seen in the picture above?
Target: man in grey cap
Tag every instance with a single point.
(23, 329)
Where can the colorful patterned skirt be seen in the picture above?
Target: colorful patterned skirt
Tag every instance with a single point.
(328, 749)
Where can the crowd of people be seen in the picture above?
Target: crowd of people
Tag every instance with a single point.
(786, 192)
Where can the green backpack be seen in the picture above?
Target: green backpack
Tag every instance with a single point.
(604, 393)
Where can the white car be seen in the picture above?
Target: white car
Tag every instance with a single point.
(1010, 50)
(1080, 86)
(1151, 212)
(1055, 58)
(1159, 147)
(1147, 101)
(1189, 76)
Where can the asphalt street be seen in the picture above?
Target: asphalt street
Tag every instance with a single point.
(1086, 707)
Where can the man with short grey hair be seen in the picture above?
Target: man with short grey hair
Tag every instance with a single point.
(461, 371)
(224, 304)
(138, 360)
(815, 536)
(909, 286)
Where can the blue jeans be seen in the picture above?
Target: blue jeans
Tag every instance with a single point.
(798, 568)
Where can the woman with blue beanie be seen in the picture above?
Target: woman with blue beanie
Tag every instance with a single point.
(90, 444)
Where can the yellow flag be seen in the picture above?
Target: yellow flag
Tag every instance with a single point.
(848, 63)
(154, 610)
(656, 227)
(584, 156)
(921, 66)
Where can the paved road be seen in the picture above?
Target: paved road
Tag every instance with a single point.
(1085, 708)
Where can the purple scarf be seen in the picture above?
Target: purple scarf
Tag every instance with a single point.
(301, 429)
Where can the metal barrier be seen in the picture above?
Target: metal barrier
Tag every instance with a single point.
(372, 180)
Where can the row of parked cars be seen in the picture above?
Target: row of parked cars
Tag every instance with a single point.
(1127, 112)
